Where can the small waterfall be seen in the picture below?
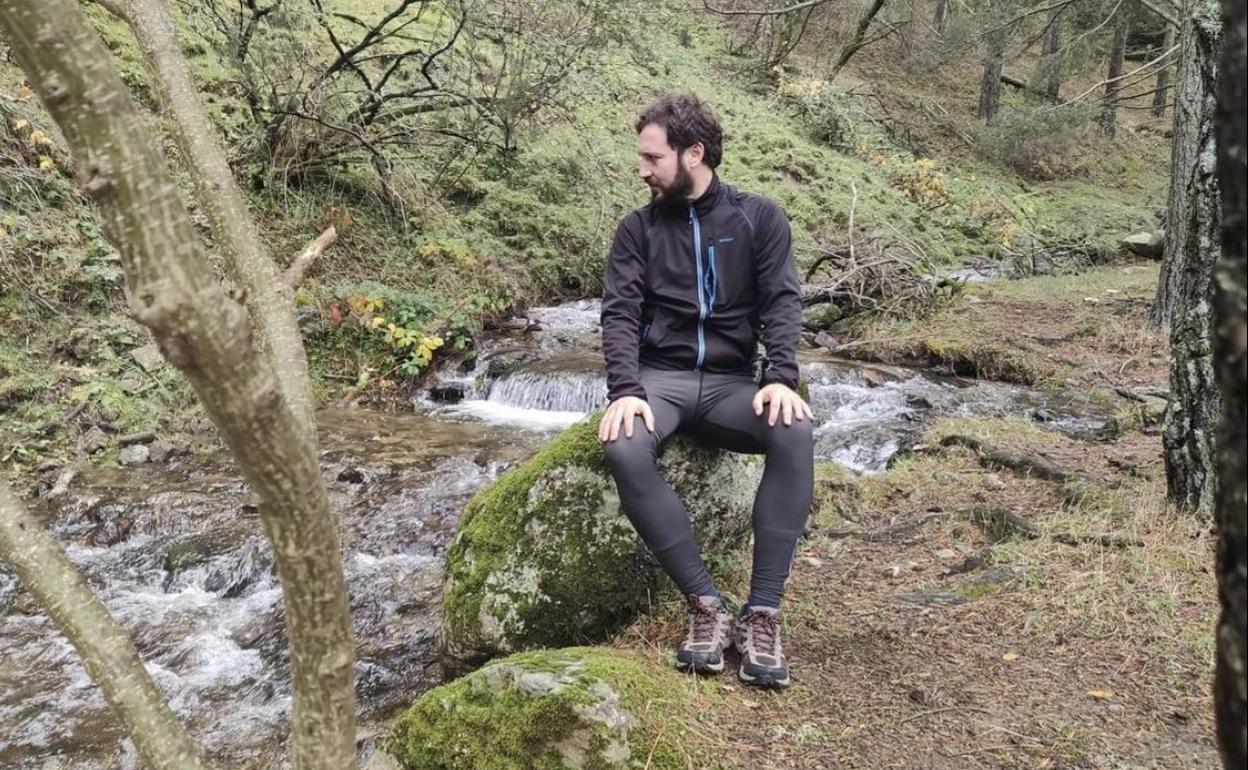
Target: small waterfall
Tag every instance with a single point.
(556, 392)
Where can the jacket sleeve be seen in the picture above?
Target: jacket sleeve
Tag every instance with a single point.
(780, 296)
(623, 289)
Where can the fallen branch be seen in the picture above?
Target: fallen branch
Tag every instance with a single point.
(294, 274)
(1026, 464)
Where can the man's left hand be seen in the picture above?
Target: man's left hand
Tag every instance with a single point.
(782, 402)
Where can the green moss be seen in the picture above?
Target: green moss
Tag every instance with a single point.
(489, 531)
(531, 710)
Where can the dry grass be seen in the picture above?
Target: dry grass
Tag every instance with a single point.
(1077, 657)
(1085, 330)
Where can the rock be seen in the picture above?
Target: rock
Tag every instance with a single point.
(93, 440)
(63, 481)
(380, 760)
(160, 451)
(544, 557)
(351, 476)
(1004, 573)
(573, 709)
(821, 317)
(946, 553)
(111, 531)
(198, 547)
(994, 482)
(448, 392)
(148, 357)
(1153, 411)
(874, 377)
(135, 454)
(1146, 244)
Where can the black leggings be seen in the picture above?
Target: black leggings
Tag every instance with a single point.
(718, 409)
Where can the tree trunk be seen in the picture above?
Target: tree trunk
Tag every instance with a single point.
(1047, 80)
(107, 651)
(1185, 287)
(1230, 689)
(994, 61)
(267, 299)
(1113, 82)
(940, 20)
(857, 42)
(1162, 87)
(207, 336)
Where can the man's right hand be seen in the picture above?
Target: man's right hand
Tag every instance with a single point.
(623, 411)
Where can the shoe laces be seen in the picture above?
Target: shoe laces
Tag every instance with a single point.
(765, 630)
(703, 620)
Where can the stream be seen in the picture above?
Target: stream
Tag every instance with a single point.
(177, 553)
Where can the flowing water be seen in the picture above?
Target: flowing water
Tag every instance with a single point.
(176, 551)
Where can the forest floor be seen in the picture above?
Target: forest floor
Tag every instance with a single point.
(921, 636)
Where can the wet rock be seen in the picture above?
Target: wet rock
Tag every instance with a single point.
(351, 476)
(1146, 244)
(544, 556)
(197, 548)
(570, 709)
(111, 531)
(233, 574)
(135, 454)
(448, 392)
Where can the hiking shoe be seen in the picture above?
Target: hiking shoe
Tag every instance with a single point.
(710, 632)
(757, 638)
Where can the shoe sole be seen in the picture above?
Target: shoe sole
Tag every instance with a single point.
(765, 681)
(701, 668)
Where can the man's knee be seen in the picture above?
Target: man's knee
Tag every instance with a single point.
(798, 437)
(626, 455)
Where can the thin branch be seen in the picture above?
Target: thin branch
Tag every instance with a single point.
(294, 273)
(1135, 71)
(775, 12)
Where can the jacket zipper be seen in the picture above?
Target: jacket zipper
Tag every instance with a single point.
(697, 257)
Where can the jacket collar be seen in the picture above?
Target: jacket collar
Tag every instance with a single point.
(704, 203)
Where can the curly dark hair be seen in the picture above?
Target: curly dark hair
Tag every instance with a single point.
(688, 121)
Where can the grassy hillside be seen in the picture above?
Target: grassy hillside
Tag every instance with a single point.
(502, 233)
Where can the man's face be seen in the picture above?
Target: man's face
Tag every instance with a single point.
(665, 170)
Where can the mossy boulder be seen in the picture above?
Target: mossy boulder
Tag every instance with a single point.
(578, 708)
(544, 557)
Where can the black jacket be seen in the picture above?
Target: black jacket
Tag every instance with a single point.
(694, 290)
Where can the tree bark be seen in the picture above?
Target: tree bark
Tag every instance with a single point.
(1185, 287)
(272, 313)
(994, 62)
(860, 34)
(207, 336)
(1047, 80)
(1161, 92)
(1113, 83)
(107, 651)
(1230, 297)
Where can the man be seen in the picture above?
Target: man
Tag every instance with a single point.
(692, 279)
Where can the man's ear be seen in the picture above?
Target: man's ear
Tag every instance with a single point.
(693, 155)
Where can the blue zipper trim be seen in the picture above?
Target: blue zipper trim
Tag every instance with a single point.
(714, 280)
(697, 257)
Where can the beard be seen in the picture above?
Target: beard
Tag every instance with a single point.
(673, 198)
